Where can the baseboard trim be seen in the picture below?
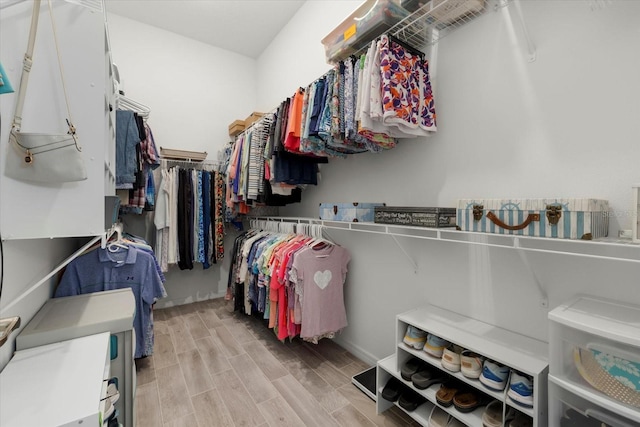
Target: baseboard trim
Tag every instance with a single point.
(164, 303)
(357, 351)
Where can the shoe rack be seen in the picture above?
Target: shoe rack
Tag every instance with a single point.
(520, 353)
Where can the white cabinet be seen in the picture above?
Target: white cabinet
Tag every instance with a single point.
(30, 210)
(60, 384)
(521, 353)
(594, 361)
(81, 315)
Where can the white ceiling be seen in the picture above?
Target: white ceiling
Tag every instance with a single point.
(242, 26)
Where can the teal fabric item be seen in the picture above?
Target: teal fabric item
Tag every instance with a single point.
(114, 347)
(5, 84)
(625, 371)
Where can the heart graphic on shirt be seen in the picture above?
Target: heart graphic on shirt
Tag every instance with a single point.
(322, 278)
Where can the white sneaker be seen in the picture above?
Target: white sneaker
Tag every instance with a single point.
(415, 337)
(521, 389)
(494, 375)
(435, 345)
(451, 358)
(471, 364)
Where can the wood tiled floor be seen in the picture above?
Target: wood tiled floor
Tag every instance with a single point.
(214, 367)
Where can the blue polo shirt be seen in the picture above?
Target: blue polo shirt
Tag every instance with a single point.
(118, 268)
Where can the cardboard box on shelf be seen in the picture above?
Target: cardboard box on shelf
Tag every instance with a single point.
(236, 127)
(252, 118)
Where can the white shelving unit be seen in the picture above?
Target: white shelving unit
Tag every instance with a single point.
(387, 369)
(59, 384)
(586, 323)
(113, 311)
(519, 352)
(30, 211)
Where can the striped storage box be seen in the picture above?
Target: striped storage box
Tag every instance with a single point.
(558, 218)
(349, 212)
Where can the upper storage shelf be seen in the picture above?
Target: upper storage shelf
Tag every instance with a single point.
(429, 23)
(417, 23)
(609, 249)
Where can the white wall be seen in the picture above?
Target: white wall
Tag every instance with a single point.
(295, 57)
(194, 92)
(560, 126)
(565, 125)
(186, 286)
(26, 262)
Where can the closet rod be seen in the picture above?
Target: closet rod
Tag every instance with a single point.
(63, 264)
(444, 235)
(193, 164)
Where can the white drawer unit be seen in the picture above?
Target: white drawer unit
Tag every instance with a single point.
(571, 403)
(594, 347)
(520, 353)
(81, 315)
(60, 384)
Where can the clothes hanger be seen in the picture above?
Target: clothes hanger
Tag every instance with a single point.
(318, 241)
(412, 50)
(117, 244)
(125, 103)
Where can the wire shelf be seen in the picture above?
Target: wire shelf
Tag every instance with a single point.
(431, 22)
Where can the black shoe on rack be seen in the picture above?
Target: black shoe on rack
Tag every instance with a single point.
(392, 389)
(426, 377)
(411, 367)
(409, 400)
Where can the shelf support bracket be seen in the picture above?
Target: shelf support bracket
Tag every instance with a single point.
(544, 300)
(406, 254)
(531, 47)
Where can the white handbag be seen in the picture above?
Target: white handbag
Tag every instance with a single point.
(41, 157)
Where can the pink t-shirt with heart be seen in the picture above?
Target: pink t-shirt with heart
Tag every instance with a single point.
(319, 275)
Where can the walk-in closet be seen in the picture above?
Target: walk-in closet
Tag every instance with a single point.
(319, 213)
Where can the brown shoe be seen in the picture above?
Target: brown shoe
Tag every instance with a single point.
(445, 394)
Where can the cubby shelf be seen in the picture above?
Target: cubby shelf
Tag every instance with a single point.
(521, 353)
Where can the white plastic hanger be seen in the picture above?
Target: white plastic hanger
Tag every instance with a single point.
(316, 233)
(125, 103)
(117, 244)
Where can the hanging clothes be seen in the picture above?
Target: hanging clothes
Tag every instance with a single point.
(363, 104)
(319, 275)
(116, 267)
(407, 99)
(127, 138)
(136, 158)
(162, 220)
(190, 226)
(292, 280)
(259, 170)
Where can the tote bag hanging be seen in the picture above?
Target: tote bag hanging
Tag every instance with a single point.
(43, 157)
